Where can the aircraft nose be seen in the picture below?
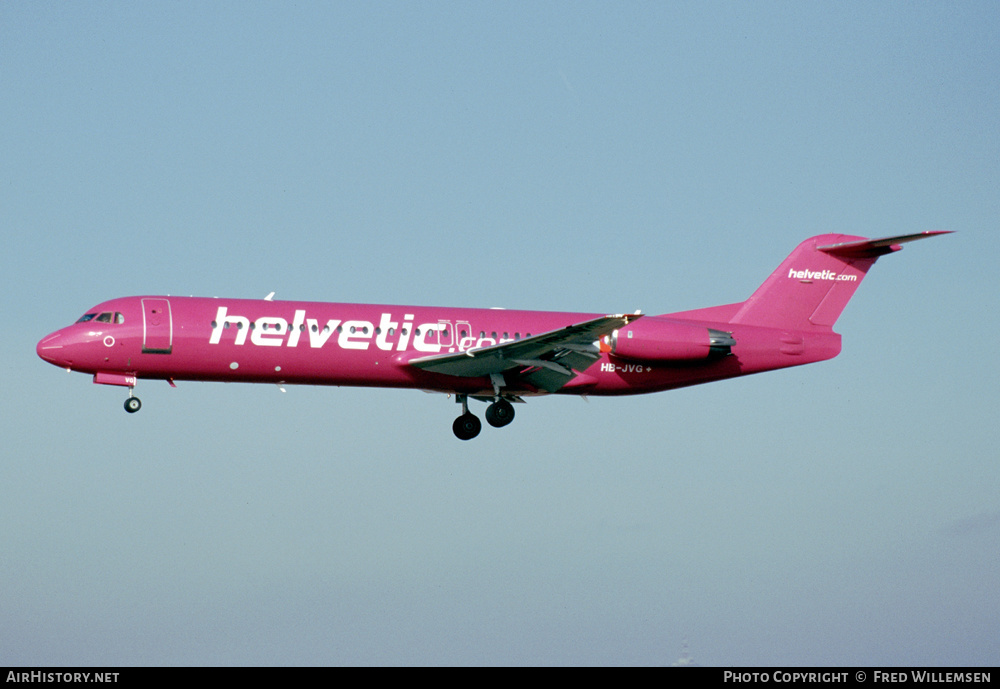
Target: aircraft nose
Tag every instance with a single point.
(50, 349)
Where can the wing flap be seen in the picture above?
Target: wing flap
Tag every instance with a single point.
(547, 380)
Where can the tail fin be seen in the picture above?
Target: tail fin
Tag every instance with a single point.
(811, 287)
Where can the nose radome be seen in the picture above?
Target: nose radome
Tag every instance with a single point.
(49, 348)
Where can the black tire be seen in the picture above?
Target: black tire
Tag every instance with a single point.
(467, 426)
(132, 405)
(500, 413)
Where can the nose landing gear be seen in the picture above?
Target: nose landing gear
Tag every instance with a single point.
(132, 404)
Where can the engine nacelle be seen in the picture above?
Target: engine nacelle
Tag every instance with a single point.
(664, 340)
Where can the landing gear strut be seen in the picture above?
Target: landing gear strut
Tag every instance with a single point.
(468, 425)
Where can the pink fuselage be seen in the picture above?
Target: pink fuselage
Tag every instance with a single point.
(318, 343)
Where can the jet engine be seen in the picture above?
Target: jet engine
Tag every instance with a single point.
(665, 341)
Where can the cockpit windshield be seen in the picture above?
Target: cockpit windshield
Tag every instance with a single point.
(106, 317)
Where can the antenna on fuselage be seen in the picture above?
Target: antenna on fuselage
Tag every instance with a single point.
(269, 297)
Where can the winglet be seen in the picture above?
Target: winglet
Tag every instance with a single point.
(873, 248)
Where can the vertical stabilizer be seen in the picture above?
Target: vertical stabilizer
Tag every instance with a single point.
(811, 287)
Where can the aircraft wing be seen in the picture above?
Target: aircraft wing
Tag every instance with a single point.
(547, 361)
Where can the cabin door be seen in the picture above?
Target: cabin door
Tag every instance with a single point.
(157, 327)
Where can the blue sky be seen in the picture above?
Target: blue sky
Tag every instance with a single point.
(569, 156)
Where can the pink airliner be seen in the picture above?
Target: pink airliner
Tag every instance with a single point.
(493, 355)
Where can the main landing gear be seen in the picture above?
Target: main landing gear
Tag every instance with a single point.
(467, 426)
(500, 413)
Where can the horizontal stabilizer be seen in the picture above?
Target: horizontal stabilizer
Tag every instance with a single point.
(873, 248)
